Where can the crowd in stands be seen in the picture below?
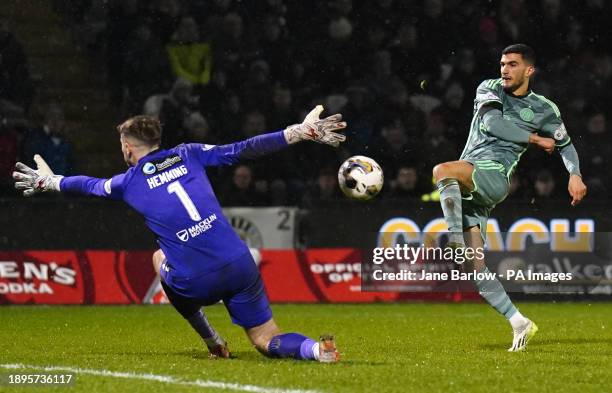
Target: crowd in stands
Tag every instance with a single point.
(20, 136)
(403, 74)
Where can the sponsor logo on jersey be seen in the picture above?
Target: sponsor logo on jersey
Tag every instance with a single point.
(183, 235)
(167, 162)
(560, 133)
(526, 114)
(159, 165)
(148, 168)
(196, 229)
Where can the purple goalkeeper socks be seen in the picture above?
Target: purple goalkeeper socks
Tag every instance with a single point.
(292, 345)
(200, 324)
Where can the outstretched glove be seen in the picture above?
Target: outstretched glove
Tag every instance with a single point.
(318, 130)
(34, 181)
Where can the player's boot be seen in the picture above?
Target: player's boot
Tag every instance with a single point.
(522, 336)
(219, 351)
(327, 349)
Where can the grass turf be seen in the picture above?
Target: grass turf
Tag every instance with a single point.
(390, 347)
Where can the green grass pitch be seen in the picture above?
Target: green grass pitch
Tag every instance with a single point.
(385, 348)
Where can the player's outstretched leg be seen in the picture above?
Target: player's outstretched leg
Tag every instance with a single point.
(268, 340)
(494, 293)
(450, 178)
(191, 311)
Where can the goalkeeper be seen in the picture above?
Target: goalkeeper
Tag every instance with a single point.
(203, 260)
(508, 117)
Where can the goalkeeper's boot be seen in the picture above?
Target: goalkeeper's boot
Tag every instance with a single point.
(327, 349)
(522, 336)
(219, 351)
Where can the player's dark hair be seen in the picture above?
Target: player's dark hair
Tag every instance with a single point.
(146, 129)
(524, 50)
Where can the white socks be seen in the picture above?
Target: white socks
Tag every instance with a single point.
(518, 320)
(315, 350)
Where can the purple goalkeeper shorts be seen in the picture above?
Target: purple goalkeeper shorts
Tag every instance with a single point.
(238, 284)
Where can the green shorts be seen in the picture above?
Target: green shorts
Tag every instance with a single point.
(490, 188)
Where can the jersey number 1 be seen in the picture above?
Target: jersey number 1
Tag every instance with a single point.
(176, 188)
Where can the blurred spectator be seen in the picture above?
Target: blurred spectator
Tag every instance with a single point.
(279, 194)
(209, 14)
(232, 49)
(514, 19)
(431, 22)
(16, 88)
(268, 167)
(254, 124)
(393, 147)
(275, 47)
(383, 19)
(383, 78)
(212, 97)
(436, 147)
(241, 190)
(146, 70)
(596, 164)
(336, 59)
(197, 129)
(489, 47)
(550, 23)
(466, 71)
(174, 110)
(50, 142)
(516, 190)
(341, 8)
(406, 184)
(405, 49)
(360, 119)
(89, 24)
(325, 188)
(123, 17)
(257, 88)
(544, 186)
(456, 109)
(400, 105)
(191, 59)
(9, 155)
(232, 118)
(282, 113)
(152, 106)
(164, 15)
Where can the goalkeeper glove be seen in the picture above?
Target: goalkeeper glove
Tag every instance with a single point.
(34, 181)
(318, 130)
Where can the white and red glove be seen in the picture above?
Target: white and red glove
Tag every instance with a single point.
(315, 129)
(34, 181)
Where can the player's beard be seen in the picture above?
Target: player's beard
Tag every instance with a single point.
(515, 86)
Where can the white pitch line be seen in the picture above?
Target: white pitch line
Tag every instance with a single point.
(158, 378)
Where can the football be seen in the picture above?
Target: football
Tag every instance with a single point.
(360, 177)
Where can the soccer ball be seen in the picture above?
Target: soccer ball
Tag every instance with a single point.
(360, 177)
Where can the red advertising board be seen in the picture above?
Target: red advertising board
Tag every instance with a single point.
(75, 277)
(127, 277)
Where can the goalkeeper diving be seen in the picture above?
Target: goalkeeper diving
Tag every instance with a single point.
(202, 260)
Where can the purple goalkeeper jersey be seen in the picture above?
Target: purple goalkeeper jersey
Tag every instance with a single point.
(171, 190)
